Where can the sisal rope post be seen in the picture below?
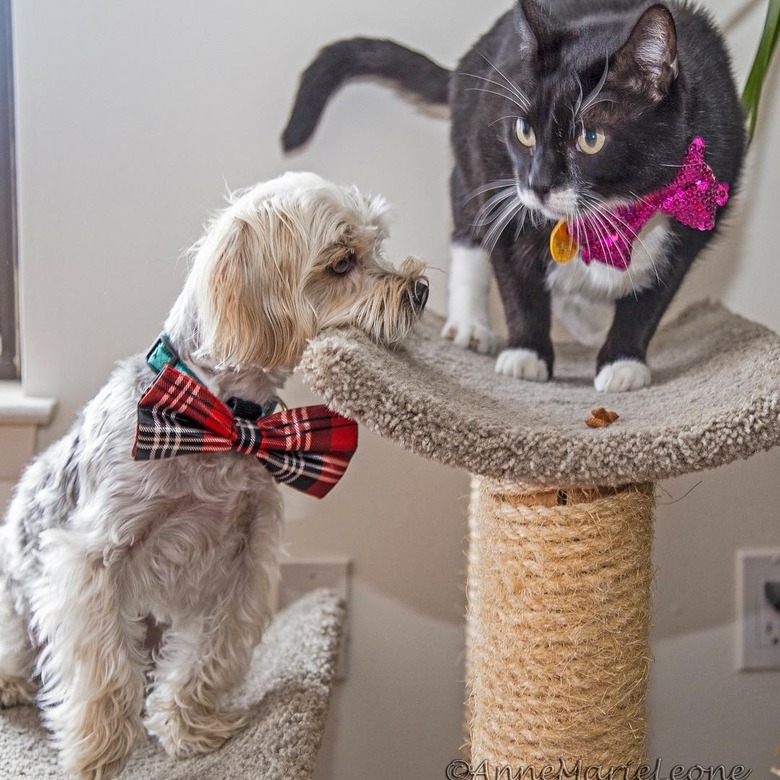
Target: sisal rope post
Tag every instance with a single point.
(558, 623)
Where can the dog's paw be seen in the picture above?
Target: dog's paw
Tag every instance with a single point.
(185, 733)
(622, 376)
(98, 743)
(522, 364)
(15, 690)
(469, 334)
(102, 772)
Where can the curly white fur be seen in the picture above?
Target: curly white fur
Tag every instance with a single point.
(95, 545)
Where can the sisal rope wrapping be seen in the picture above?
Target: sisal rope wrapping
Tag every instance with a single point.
(558, 625)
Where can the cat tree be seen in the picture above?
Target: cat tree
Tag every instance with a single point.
(561, 514)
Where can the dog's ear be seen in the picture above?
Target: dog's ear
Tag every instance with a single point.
(248, 307)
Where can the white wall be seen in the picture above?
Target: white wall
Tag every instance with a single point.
(133, 118)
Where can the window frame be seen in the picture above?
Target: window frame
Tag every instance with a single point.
(9, 336)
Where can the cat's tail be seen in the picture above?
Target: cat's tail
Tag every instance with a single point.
(345, 60)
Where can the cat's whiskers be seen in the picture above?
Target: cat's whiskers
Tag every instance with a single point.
(596, 218)
(651, 257)
(538, 218)
(501, 119)
(496, 210)
(589, 218)
(513, 87)
(492, 210)
(484, 216)
(491, 185)
(575, 109)
(509, 97)
(638, 238)
(500, 222)
(595, 96)
(516, 94)
(610, 227)
(573, 121)
(615, 223)
(573, 219)
(521, 223)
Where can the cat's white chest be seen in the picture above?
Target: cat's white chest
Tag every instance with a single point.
(601, 282)
(582, 295)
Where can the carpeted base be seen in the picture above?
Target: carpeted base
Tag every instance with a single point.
(288, 687)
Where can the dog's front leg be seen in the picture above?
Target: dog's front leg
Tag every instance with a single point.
(16, 654)
(92, 659)
(204, 656)
(185, 710)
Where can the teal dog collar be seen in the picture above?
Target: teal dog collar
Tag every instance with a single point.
(163, 353)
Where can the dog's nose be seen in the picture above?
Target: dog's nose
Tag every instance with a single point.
(420, 294)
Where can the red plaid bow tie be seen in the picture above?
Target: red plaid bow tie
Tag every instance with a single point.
(307, 448)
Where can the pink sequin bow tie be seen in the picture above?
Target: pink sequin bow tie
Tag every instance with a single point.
(691, 198)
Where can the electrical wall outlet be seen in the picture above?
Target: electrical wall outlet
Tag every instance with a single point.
(300, 576)
(758, 599)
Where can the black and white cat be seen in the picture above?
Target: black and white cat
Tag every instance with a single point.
(570, 115)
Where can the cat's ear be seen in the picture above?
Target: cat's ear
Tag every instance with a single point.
(533, 23)
(648, 60)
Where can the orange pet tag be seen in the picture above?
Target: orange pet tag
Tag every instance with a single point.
(562, 246)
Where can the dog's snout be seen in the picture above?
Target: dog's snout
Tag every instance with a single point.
(419, 294)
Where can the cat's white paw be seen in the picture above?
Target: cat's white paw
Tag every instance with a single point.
(469, 334)
(522, 364)
(622, 376)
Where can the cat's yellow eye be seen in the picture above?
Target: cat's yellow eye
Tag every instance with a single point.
(525, 133)
(590, 141)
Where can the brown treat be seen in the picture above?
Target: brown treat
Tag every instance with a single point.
(600, 413)
(596, 422)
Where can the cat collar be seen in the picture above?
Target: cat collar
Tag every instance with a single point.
(691, 198)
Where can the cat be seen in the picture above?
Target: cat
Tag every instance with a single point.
(568, 120)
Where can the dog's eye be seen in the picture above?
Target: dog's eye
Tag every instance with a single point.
(343, 264)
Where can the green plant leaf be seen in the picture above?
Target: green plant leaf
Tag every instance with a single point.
(751, 95)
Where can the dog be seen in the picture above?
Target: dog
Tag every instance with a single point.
(95, 543)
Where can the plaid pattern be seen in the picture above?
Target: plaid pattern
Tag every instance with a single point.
(308, 448)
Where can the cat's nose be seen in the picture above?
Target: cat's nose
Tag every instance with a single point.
(540, 183)
(542, 173)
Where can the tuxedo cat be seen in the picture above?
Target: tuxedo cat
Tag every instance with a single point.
(606, 134)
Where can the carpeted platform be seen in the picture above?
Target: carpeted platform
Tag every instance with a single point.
(715, 398)
(288, 688)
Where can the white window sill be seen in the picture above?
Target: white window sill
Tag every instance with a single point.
(18, 409)
(20, 418)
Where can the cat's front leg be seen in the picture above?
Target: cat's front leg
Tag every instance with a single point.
(468, 320)
(519, 268)
(621, 365)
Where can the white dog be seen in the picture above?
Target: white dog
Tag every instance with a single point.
(95, 543)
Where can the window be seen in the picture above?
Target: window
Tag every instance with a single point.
(9, 364)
